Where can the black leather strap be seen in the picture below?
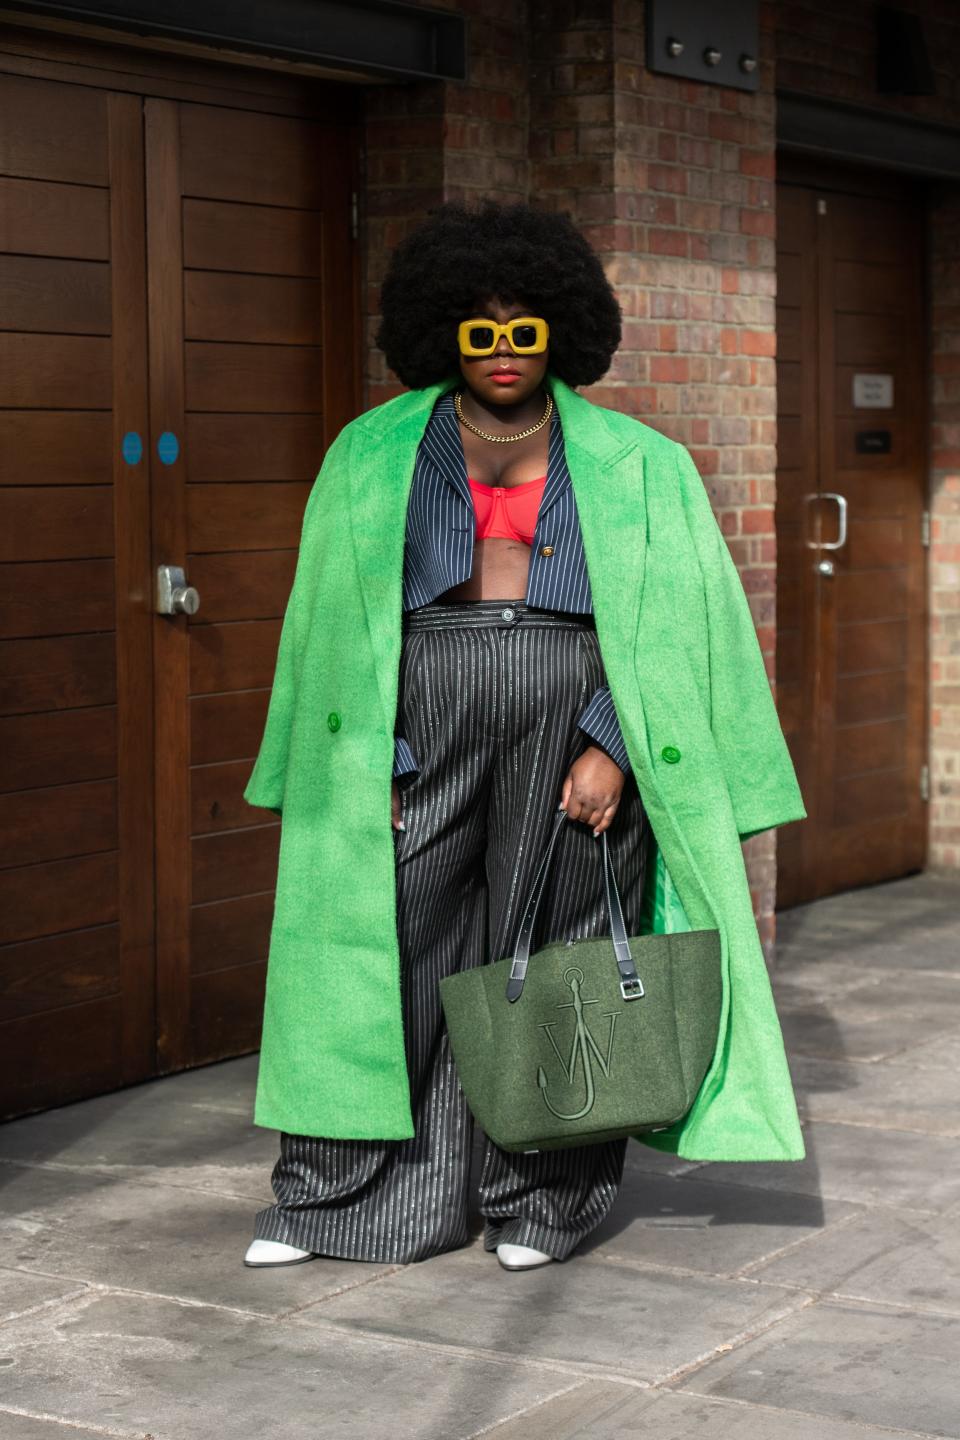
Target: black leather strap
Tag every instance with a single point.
(631, 986)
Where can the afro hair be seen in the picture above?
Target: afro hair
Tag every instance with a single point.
(459, 257)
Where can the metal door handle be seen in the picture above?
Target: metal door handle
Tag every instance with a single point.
(841, 539)
(174, 595)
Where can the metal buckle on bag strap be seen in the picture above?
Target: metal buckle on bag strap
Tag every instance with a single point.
(631, 986)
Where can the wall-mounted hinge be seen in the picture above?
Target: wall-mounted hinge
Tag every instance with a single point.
(925, 782)
(925, 528)
(353, 214)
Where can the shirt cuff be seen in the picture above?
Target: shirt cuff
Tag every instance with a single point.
(600, 722)
(403, 761)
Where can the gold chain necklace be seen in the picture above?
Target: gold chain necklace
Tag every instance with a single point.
(502, 439)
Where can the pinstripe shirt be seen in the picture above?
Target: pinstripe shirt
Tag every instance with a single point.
(438, 551)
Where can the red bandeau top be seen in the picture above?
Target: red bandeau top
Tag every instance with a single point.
(507, 510)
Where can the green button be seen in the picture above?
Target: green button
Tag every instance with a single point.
(671, 754)
(333, 720)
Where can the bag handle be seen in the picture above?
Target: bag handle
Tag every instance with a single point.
(631, 986)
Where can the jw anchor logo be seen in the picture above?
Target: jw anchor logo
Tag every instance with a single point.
(584, 1049)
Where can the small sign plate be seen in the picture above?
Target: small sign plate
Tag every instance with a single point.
(873, 392)
(873, 442)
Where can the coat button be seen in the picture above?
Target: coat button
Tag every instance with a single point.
(333, 720)
(671, 754)
(546, 549)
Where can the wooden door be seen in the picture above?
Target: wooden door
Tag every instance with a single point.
(173, 275)
(851, 610)
(253, 301)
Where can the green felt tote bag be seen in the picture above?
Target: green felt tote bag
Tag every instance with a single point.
(585, 1040)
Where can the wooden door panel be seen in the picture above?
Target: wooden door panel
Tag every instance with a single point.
(880, 646)
(245, 516)
(264, 379)
(227, 727)
(50, 131)
(59, 896)
(57, 598)
(57, 673)
(240, 656)
(255, 239)
(58, 747)
(257, 309)
(238, 862)
(44, 447)
(39, 217)
(217, 242)
(63, 296)
(851, 661)
(238, 929)
(35, 976)
(216, 796)
(869, 797)
(254, 215)
(257, 159)
(244, 586)
(75, 757)
(254, 447)
(55, 372)
(870, 694)
(57, 821)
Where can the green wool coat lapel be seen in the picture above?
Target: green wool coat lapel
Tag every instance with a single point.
(692, 695)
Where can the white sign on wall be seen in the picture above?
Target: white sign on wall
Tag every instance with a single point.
(873, 392)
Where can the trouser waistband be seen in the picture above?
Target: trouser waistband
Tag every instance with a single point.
(505, 614)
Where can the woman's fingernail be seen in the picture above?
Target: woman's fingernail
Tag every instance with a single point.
(401, 826)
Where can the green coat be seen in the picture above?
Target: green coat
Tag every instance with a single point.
(685, 670)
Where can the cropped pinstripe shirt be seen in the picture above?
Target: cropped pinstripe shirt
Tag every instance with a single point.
(438, 552)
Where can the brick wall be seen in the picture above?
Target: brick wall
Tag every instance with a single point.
(944, 594)
(674, 183)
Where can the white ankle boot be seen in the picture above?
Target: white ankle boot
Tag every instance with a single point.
(521, 1257)
(274, 1252)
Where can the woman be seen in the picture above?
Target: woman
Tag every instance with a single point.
(443, 585)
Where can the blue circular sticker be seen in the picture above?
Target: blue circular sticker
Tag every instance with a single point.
(167, 447)
(131, 448)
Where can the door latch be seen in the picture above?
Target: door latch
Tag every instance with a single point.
(174, 595)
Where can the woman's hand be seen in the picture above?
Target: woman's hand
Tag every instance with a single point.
(591, 792)
(396, 813)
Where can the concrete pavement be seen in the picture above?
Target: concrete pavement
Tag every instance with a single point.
(810, 1301)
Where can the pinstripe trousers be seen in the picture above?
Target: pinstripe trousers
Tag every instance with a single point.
(489, 693)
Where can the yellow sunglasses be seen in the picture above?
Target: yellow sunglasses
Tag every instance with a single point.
(526, 335)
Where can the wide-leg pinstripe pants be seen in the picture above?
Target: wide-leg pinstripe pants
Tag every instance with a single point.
(489, 694)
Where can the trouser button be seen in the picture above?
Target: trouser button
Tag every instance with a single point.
(508, 613)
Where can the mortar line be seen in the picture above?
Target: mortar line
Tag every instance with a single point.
(736, 1342)
(82, 1426)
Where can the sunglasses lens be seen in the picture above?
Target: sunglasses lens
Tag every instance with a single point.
(524, 336)
(481, 337)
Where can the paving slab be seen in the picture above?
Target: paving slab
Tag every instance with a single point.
(859, 1163)
(21, 1293)
(582, 1312)
(177, 1242)
(690, 1224)
(138, 1364)
(130, 1133)
(876, 1365)
(940, 1053)
(871, 1022)
(892, 1256)
(28, 1427)
(865, 1093)
(602, 1410)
